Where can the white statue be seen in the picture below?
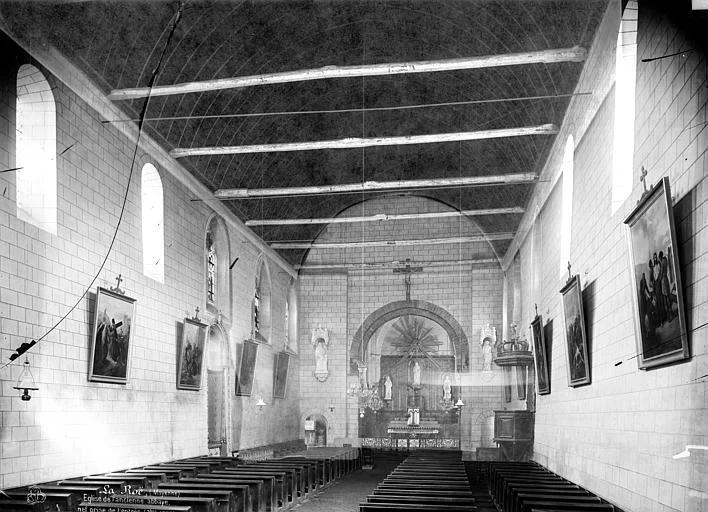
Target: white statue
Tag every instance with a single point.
(488, 340)
(413, 419)
(447, 385)
(388, 385)
(320, 341)
(416, 374)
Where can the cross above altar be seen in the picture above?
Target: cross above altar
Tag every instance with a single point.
(407, 270)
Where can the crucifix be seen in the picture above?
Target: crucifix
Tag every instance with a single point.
(570, 276)
(117, 289)
(407, 270)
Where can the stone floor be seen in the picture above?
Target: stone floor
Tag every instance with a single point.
(345, 495)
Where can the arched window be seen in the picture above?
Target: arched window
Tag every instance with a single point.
(153, 224)
(217, 256)
(567, 205)
(625, 83)
(291, 323)
(261, 303)
(36, 137)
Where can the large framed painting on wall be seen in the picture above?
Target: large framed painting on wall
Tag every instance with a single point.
(112, 337)
(659, 319)
(541, 356)
(247, 368)
(575, 335)
(191, 355)
(280, 374)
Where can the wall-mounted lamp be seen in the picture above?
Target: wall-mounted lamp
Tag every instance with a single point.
(361, 413)
(261, 404)
(459, 403)
(331, 406)
(26, 382)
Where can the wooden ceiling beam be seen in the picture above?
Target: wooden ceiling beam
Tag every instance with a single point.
(359, 142)
(574, 54)
(373, 186)
(382, 217)
(394, 264)
(488, 237)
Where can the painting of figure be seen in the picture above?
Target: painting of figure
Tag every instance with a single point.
(576, 340)
(110, 343)
(280, 374)
(659, 319)
(191, 355)
(247, 368)
(541, 356)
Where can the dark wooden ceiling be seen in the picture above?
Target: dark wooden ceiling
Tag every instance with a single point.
(119, 44)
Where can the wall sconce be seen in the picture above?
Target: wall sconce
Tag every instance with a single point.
(261, 404)
(26, 382)
(331, 406)
(459, 404)
(361, 413)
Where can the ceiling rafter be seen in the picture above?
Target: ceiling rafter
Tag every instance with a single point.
(359, 142)
(487, 237)
(382, 217)
(574, 54)
(469, 181)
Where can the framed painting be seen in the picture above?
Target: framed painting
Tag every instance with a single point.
(244, 376)
(280, 374)
(112, 337)
(575, 335)
(541, 356)
(660, 325)
(191, 355)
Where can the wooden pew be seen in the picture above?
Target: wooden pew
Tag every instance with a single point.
(127, 479)
(197, 504)
(90, 506)
(114, 485)
(21, 506)
(260, 496)
(240, 493)
(376, 507)
(282, 481)
(66, 500)
(234, 502)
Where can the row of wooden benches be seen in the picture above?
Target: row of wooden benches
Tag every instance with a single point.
(430, 481)
(200, 484)
(529, 487)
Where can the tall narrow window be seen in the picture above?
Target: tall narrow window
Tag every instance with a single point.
(625, 83)
(211, 269)
(261, 303)
(153, 224)
(36, 137)
(567, 204)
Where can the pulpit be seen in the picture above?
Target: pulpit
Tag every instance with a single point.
(513, 432)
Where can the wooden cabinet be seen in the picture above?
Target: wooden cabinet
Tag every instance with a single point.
(513, 432)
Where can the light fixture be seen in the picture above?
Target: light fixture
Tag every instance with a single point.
(331, 406)
(361, 413)
(459, 403)
(261, 404)
(26, 382)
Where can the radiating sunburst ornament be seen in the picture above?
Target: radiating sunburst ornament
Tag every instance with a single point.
(414, 338)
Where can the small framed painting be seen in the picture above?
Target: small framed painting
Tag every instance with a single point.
(112, 337)
(191, 355)
(659, 320)
(541, 356)
(247, 368)
(575, 335)
(280, 374)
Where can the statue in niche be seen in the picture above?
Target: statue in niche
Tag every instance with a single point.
(416, 374)
(320, 342)
(488, 340)
(447, 388)
(388, 386)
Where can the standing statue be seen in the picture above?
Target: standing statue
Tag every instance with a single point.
(447, 385)
(416, 374)
(388, 385)
(488, 340)
(320, 342)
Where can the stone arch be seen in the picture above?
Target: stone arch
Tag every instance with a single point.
(458, 338)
